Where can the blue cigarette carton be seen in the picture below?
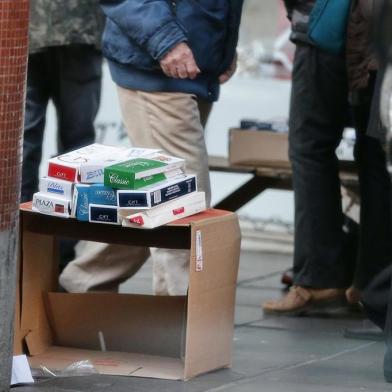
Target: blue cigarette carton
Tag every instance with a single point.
(85, 195)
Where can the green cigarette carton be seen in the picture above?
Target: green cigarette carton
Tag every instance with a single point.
(140, 172)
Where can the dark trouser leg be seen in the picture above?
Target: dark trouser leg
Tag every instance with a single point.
(77, 99)
(384, 291)
(375, 251)
(36, 103)
(317, 116)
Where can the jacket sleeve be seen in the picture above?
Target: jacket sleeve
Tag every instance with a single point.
(233, 32)
(150, 23)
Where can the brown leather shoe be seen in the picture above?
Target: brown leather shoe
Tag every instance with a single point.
(301, 298)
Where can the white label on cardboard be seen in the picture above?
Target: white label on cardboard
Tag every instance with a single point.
(199, 252)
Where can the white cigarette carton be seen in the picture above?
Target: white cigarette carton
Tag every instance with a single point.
(87, 164)
(56, 187)
(154, 195)
(180, 208)
(93, 172)
(104, 214)
(51, 205)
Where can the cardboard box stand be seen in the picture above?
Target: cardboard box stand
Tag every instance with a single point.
(146, 336)
(258, 148)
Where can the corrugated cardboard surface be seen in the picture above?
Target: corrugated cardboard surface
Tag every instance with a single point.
(211, 297)
(18, 347)
(262, 148)
(143, 335)
(39, 275)
(111, 362)
(146, 336)
(158, 322)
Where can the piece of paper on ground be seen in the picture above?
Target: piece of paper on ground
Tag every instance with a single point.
(21, 373)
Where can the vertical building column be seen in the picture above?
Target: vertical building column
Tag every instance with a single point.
(13, 64)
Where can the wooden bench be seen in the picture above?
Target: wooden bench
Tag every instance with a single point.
(267, 177)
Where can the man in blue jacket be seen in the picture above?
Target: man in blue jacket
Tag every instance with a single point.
(168, 59)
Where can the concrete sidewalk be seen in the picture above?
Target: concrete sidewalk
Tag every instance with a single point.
(271, 354)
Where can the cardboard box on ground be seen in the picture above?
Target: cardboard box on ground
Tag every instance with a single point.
(145, 336)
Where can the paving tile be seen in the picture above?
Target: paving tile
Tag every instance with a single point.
(358, 370)
(348, 369)
(255, 296)
(272, 281)
(134, 384)
(247, 314)
(257, 350)
(328, 324)
(254, 265)
(261, 385)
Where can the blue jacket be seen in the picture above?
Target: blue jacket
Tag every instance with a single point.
(139, 33)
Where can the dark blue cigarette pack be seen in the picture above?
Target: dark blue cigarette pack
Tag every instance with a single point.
(156, 194)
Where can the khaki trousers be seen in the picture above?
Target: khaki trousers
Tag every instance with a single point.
(174, 123)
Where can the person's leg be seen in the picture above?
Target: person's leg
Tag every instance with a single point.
(78, 96)
(384, 311)
(317, 116)
(99, 267)
(172, 122)
(375, 249)
(102, 267)
(37, 98)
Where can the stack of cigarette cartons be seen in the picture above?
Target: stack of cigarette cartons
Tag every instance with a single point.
(154, 191)
(85, 165)
(112, 185)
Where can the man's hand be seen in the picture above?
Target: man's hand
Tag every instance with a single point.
(179, 63)
(230, 72)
